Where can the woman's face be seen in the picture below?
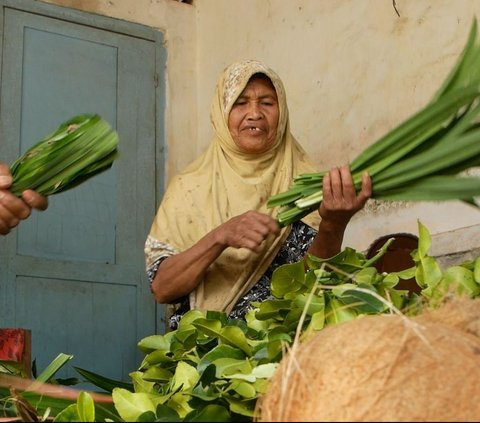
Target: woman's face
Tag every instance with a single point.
(253, 119)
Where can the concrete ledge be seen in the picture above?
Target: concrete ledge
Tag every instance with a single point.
(454, 247)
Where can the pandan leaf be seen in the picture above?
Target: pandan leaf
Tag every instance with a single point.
(103, 382)
(54, 367)
(79, 149)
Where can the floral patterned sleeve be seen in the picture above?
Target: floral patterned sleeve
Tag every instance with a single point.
(176, 310)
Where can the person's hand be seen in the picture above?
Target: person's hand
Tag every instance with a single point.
(247, 230)
(12, 208)
(340, 200)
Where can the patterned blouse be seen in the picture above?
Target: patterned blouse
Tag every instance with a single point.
(292, 250)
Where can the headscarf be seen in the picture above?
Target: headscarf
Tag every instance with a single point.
(225, 182)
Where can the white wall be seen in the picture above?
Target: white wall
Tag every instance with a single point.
(352, 69)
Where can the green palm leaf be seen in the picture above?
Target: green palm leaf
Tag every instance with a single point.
(77, 150)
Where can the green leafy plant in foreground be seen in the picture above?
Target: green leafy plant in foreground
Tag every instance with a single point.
(213, 368)
(46, 399)
(425, 158)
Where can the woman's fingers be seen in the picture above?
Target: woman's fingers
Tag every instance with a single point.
(35, 200)
(340, 199)
(12, 208)
(366, 191)
(249, 230)
(347, 185)
(5, 176)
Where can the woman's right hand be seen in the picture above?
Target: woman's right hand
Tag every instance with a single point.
(181, 273)
(247, 230)
(12, 208)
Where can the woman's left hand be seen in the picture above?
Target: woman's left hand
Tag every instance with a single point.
(340, 199)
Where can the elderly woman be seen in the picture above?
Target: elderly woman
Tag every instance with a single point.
(214, 244)
(14, 209)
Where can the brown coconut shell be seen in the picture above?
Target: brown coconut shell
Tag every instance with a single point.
(382, 368)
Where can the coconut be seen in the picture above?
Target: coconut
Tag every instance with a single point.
(382, 368)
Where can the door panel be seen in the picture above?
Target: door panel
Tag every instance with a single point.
(88, 329)
(66, 75)
(74, 274)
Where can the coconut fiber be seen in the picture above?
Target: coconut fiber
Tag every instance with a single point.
(383, 368)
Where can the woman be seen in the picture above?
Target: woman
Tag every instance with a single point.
(14, 209)
(214, 244)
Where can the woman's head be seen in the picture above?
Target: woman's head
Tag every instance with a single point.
(249, 111)
(253, 117)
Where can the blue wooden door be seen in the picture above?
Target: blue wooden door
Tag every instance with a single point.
(74, 274)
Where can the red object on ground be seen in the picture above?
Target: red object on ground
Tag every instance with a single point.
(15, 346)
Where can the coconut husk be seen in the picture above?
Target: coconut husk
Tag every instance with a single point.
(462, 313)
(382, 368)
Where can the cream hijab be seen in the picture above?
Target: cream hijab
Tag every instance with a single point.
(223, 183)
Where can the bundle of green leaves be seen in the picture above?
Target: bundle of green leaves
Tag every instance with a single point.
(78, 149)
(425, 158)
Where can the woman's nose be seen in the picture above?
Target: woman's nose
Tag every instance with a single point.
(254, 111)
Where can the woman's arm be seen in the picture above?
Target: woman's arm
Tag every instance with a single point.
(181, 273)
(340, 203)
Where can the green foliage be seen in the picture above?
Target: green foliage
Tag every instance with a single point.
(213, 368)
(33, 405)
(77, 150)
(54, 367)
(212, 362)
(82, 411)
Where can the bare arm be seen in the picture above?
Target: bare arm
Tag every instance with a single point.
(340, 203)
(12, 208)
(180, 274)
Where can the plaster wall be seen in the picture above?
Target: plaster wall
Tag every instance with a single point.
(353, 70)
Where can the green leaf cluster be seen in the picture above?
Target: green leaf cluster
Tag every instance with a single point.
(77, 150)
(209, 369)
(426, 158)
(214, 368)
(31, 405)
